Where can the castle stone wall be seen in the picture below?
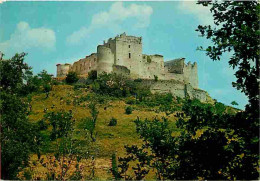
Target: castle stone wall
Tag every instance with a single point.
(191, 75)
(123, 55)
(178, 89)
(105, 59)
(63, 69)
(85, 65)
(121, 70)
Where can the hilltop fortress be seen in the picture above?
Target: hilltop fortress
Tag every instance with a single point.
(123, 55)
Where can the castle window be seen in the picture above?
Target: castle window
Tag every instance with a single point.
(129, 46)
(109, 45)
(129, 55)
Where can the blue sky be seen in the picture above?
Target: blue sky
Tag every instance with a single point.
(59, 32)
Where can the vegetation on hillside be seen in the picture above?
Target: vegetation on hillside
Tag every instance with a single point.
(60, 132)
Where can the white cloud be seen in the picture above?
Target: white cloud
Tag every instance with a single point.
(116, 15)
(25, 37)
(202, 13)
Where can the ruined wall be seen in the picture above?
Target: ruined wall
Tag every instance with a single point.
(175, 66)
(85, 65)
(63, 69)
(123, 55)
(178, 70)
(118, 69)
(190, 73)
(152, 65)
(178, 89)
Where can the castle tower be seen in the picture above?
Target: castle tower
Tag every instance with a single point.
(63, 69)
(105, 59)
(190, 72)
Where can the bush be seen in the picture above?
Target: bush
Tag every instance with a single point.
(130, 101)
(114, 168)
(92, 75)
(138, 80)
(72, 78)
(79, 86)
(113, 122)
(155, 78)
(128, 110)
(62, 123)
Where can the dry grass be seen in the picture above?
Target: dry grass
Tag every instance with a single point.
(109, 138)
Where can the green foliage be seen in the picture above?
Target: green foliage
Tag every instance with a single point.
(118, 86)
(112, 122)
(114, 168)
(234, 103)
(90, 122)
(14, 73)
(138, 80)
(149, 60)
(92, 75)
(19, 137)
(61, 122)
(155, 78)
(158, 100)
(208, 146)
(237, 32)
(65, 151)
(71, 78)
(128, 110)
(79, 86)
(130, 101)
(45, 77)
(47, 89)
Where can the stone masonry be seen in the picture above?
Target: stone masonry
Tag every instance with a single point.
(123, 55)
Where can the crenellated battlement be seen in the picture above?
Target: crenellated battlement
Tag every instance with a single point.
(123, 54)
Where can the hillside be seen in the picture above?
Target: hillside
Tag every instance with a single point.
(109, 139)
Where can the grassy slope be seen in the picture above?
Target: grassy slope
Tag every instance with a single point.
(109, 139)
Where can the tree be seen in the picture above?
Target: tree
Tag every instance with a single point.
(237, 32)
(62, 161)
(72, 77)
(234, 103)
(206, 146)
(19, 137)
(89, 123)
(14, 74)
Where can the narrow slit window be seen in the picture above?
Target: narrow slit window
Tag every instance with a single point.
(129, 55)
(129, 46)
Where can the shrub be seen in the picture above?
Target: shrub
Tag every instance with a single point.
(72, 78)
(149, 60)
(79, 86)
(114, 168)
(90, 122)
(155, 78)
(130, 101)
(62, 123)
(128, 110)
(113, 122)
(138, 80)
(47, 89)
(92, 75)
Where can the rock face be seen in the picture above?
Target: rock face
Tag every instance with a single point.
(123, 55)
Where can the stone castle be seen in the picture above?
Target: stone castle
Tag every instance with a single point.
(123, 55)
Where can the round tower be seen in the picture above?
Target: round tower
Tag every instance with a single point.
(63, 69)
(105, 59)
